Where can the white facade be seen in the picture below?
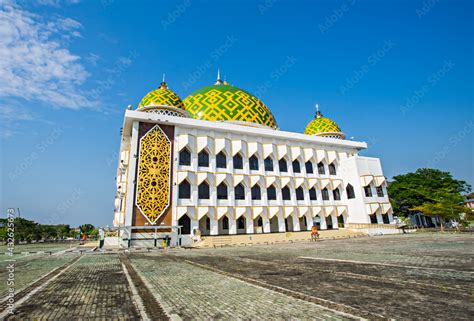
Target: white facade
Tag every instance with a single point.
(261, 215)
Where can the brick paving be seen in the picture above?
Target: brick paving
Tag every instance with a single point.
(196, 293)
(94, 287)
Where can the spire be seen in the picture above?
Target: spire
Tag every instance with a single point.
(163, 84)
(318, 113)
(219, 80)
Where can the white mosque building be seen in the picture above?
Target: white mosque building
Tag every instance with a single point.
(216, 163)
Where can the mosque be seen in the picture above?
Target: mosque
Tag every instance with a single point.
(216, 163)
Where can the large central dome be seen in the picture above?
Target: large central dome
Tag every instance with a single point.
(223, 102)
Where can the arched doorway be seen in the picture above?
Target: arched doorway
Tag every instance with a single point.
(185, 222)
(303, 223)
(241, 225)
(317, 221)
(258, 225)
(274, 224)
(329, 222)
(223, 225)
(205, 225)
(289, 224)
(340, 221)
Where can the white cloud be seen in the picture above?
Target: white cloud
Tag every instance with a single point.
(35, 63)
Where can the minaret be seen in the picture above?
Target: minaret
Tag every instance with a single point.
(219, 80)
(163, 84)
(318, 113)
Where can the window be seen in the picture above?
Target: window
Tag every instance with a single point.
(184, 157)
(380, 191)
(312, 194)
(222, 191)
(332, 169)
(241, 222)
(256, 193)
(321, 168)
(239, 192)
(238, 163)
(285, 192)
(309, 167)
(268, 164)
(385, 219)
(253, 163)
(271, 193)
(203, 191)
(337, 194)
(368, 191)
(350, 191)
(184, 190)
(203, 159)
(325, 194)
(296, 166)
(373, 219)
(282, 165)
(299, 194)
(221, 161)
(225, 223)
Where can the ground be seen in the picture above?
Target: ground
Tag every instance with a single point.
(403, 277)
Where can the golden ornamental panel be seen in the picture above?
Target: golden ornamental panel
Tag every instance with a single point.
(153, 187)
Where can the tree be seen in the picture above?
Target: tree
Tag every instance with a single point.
(426, 185)
(86, 228)
(445, 204)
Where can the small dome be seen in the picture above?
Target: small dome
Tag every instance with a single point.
(223, 102)
(162, 96)
(322, 126)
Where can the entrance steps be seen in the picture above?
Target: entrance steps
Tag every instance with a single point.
(272, 238)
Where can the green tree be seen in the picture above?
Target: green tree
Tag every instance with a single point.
(426, 185)
(86, 228)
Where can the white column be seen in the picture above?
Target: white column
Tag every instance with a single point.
(309, 221)
(214, 227)
(249, 224)
(194, 225)
(266, 224)
(133, 159)
(281, 223)
(296, 223)
(334, 221)
(323, 222)
(232, 226)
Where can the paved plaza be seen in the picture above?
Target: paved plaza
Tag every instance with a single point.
(402, 277)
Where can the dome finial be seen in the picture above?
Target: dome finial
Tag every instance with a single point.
(163, 83)
(318, 113)
(219, 80)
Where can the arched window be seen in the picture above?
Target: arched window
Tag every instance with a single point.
(203, 159)
(184, 190)
(312, 194)
(325, 194)
(296, 166)
(253, 163)
(203, 191)
(271, 193)
(268, 164)
(239, 192)
(368, 191)
(309, 167)
(225, 223)
(282, 165)
(285, 193)
(299, 194)
(380, 191)
(238, 163)
(385, 219)
(256, 193)
(350, 191)
(184, 157)
(221, 160)
(321, 168)
(260, 221)
(332, 169)
(336, 194)
(241, 222)
(222, 191)
(185, 222)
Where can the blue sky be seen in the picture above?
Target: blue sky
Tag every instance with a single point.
(397, 74)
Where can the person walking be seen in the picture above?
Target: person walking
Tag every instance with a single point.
(314, 233)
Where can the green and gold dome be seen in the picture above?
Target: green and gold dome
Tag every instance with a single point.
(325, 127)
(223, 102)
(162, 96)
